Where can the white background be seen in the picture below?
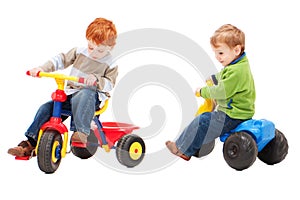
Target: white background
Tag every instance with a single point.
(33, 31)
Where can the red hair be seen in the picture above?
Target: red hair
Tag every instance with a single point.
(102, 31)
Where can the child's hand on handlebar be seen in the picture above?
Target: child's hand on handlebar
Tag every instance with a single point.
(34, 72)
(91, 80)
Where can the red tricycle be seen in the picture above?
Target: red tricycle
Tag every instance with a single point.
(53, 135)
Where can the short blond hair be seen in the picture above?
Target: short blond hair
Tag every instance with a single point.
(230, 35)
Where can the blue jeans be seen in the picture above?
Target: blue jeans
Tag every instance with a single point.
(204, 129)
(82, 104)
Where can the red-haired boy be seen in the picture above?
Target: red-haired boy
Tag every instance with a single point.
(94, 63)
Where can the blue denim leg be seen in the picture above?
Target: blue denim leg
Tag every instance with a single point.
(203, 129)
(83, 109)
(43, 115)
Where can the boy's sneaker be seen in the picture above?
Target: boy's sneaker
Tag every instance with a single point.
(79, 137)
(23, 149)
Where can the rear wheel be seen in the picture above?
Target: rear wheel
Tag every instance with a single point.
(205, 149)
(49, 151)
(276, 150)
(90, 150)
(240, 150)
(130, 150)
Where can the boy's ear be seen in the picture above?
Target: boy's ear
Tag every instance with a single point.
(237, 49)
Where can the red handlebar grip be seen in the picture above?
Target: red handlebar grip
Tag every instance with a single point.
(80, 80)
(28, 73)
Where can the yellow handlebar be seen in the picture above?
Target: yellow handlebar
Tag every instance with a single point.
(60, 76)
(60, 80)
(208, 105)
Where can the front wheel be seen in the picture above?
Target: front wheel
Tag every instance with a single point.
(130, 150)
(240, 150)
(49, 151)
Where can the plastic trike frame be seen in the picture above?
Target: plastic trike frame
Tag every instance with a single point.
(52, 141)
(250, 139)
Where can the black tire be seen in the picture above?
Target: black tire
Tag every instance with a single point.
(240, 150)
(90, 150)
(205, 149)
(276, 150)
(49, 151)
(130, 150)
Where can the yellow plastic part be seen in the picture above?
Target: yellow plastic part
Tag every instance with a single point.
(103, 108)
(65, 144)
(38, 141)
(198, 94)
(106, 147)
(135, 151)
(59, 78)
(209, 82)
(208, 105)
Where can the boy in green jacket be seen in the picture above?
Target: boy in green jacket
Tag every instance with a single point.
(233, 92)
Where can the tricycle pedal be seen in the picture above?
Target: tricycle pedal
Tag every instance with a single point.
(23, 157)
(79, 144)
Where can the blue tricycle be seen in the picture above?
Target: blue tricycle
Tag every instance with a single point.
(250, 139)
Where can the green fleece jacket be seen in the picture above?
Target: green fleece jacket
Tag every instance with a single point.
(234, 90)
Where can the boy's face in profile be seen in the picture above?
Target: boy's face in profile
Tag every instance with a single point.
(97, 51)
(224, 54)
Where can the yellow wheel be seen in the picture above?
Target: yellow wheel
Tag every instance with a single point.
(135, 151)
(130, 150)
